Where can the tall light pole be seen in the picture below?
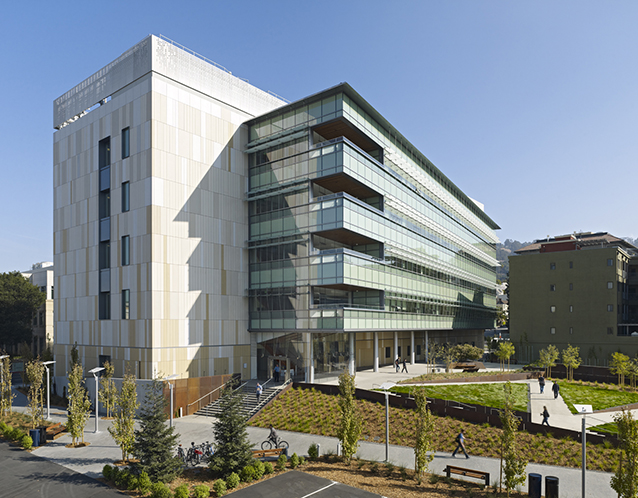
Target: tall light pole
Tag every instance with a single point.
(96, 371)
(46, 365)
(170, 386)
(584, 409)
(385, 386)
(2, 374)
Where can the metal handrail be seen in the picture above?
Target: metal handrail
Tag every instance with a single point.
(205, 395)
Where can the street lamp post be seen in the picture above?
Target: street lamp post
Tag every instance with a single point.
(385, 386)
(2, 373)
(46, 365)
(584, 409)
(96, 371)
(170, 386)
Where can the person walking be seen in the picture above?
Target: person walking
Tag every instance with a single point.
(541, 383)
(405, 367)
(258, 391)
(545, 416)
(555, 388)
(396, 365)
(460, 444)
(276, 371)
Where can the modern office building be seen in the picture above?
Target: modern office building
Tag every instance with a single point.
(203, 227)
(577, 289)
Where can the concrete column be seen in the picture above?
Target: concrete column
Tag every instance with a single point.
(311, 362)
(413, 354)
(376, 351)
(287, 368)
(396, 345)
(427, 349)
(351, 364)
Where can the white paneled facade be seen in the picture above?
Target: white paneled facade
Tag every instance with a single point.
(174, 263)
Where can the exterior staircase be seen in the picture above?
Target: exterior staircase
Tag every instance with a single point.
(250, 406)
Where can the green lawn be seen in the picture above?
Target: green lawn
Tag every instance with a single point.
(609, 428)
(600, 397)
(480, 394)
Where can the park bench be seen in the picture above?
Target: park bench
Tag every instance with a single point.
(471, 369)
(55, 430)
(273, 453)
(476, 474)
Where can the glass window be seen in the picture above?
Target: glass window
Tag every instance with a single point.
(571, 330)
(105, 306)
(126, 142)
(552, 287)
(571, 308)
(610, 285)
(552, 330)
(126, 304)
(552, 266)
(552, 309)
(610, 262)
(126, 251)
(387, 352)
(126, 197)
(571, 286)
(571, 264)
(610, 307)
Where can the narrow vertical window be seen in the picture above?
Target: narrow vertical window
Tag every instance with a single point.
(126, 142)
(126, 197)
(126, 251)
(126, 304)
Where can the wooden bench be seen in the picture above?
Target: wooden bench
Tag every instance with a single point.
(471, 369)
(273, 453)
(476, 474)
(55, 430)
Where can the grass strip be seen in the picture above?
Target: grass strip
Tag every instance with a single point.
(599, 396)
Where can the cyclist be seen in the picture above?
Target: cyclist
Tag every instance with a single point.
(274, 437)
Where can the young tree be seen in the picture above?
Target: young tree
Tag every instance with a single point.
(633, 372)
(424, 445)
(75, 356)
(620, 365)
(19, 299)
(233, 451)
(625, 481)
(512, 463)
(6, 395)
(571, 360)
(505, 351)
(155, 441)
(79, 405)
(108, 391)
(449, 354)
(434, 351)
(35, 372)
(548, 357)
(123, 428)
(349, 429)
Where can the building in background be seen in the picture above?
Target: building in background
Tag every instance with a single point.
(42, 276)
(205, 227)
(575, 289)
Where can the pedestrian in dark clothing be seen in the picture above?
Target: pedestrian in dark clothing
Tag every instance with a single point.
(460, 444)
(541, 383)
(276, 373)
(545, 415)
(258, 391)
(555, 388)
(396, 365)
(405, 367)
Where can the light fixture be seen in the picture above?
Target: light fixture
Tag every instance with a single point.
(170, 386)
(46, 365)
(96, 371)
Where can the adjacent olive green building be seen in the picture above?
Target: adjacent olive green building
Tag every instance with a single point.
(576, 289)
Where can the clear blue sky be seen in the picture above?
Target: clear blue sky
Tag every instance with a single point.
(529, 107)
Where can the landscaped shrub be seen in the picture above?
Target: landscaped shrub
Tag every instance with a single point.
(258, 465)
(268, 468)
(3, 427)
(294, 461)
(247, 473)
(144, 483)
(313, 451)
(18, 434)
(219, 487)
(114, 473)
(26, 442)
(121, 478)
(107, 470)
(201, 491)
(302, 461)
(181, 491)
(281, 462)
(232, 481)
(131, 482)
(160, 490)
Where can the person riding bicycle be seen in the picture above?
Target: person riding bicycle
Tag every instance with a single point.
(274, 437)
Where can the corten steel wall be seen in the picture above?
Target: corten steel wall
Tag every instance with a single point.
(475, 414)
(588, 373)
(504, 377)
(187, 391)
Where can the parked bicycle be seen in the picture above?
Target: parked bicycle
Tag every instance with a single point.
(196, 454)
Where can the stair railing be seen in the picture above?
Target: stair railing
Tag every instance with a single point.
(199, 401)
